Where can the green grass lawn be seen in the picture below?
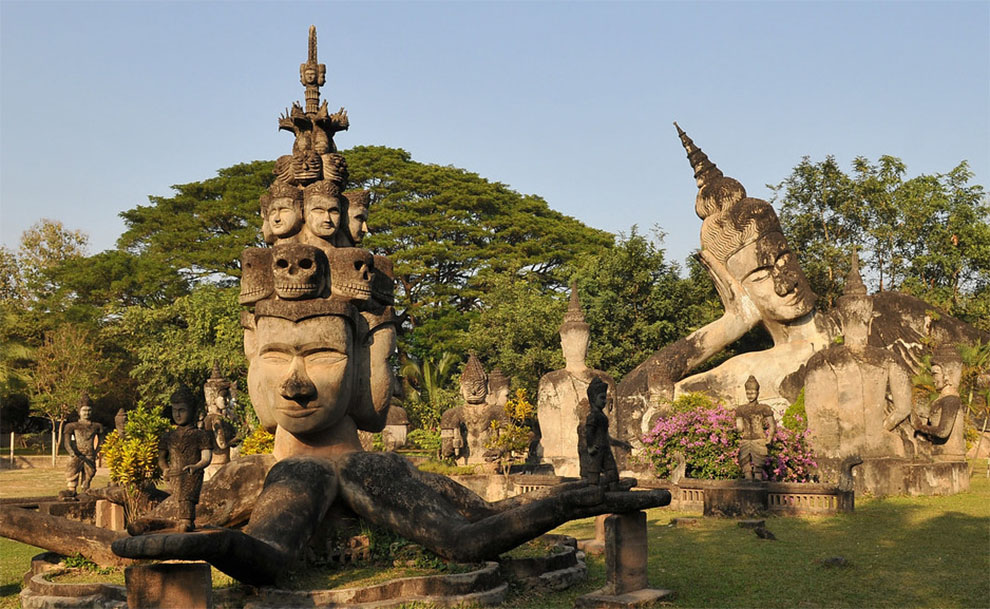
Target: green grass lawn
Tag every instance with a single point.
(901, 552)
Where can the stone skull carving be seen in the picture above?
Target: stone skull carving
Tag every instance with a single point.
(256, 275)
(299, 271)
(351, 270)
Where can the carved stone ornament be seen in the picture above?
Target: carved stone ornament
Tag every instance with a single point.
(256, 275)
(299, 271)
(351, 272)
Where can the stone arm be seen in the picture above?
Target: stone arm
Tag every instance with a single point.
(205, 456)
(771, 426)
(70, 441)
(947, 407)
(219, 432)
(740, 425)
(163, 457)
(899, 380)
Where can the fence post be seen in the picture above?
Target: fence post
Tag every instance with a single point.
(11, 450)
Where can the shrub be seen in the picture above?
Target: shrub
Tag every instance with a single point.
(510, 436)
(706, 436)
(795, 418)
(259, 442)
(133, 459)
(789, 456)
(425, 439)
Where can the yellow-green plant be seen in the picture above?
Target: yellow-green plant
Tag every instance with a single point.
(133, 458)
(510, 437)
(258, 443)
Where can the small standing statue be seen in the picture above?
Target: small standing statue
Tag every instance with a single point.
(941, 422)
(183, 454)
(222, 433)
(756, 427)
(597, 463)
(82, 440)
(120, 422)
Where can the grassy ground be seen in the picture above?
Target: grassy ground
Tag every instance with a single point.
(900, 552)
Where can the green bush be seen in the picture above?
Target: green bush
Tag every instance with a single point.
(133, 459)
(795, 418)
(259, 442)
(425, 439)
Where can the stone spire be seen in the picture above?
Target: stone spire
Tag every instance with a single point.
(705, 171)
(574, 317)
(312, 74)
(854, 281)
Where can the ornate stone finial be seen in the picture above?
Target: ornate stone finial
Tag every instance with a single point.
(704, 170)
(497, 381)
(574, 317)
(854, 281)
(85, 401)
(312, 74)
(215, 373)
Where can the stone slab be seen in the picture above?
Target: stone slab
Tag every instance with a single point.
(169, 585)
(625, 552)
(600, 599)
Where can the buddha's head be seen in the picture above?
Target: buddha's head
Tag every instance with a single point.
(744, 234)
(574, 334)
(474, 381)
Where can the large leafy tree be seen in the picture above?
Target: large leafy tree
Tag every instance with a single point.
(928, 235)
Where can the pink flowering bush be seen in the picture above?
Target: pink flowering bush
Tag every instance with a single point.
(705, 434)
(790, 457)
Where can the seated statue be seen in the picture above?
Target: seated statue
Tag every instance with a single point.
(82, 441)
(759, 281)
(941, 422)
(756, 425)
(562, 402)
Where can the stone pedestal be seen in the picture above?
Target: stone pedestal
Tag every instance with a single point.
(626, 583)
(595, 546)
(169, 585)
(109, 515)
(745, 498)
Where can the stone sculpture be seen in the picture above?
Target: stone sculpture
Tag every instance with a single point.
(562, 394)
(318, 371)
(120, 422)
(216, 423)
(82, 441)
(396, 428)
(498, 389)
(759, 281)
(941, 422)
(756, 426)
(183, 454)
(597, 463)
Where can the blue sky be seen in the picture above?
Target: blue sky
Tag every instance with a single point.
(105, 103)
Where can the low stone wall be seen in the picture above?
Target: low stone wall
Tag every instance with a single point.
(495, 487)
(740, 497)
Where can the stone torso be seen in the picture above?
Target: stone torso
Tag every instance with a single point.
(85, 434)
(562, 406)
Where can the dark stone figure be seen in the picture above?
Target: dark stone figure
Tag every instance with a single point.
(82, 441)
(183, 454)
(756, 427)
(942, 423)
(595, 446)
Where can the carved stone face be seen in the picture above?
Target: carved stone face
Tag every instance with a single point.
(84, 413)
(474, 392)
(357, 222)
(256, 275)
(284, 217)
(350, 273)
(773, 279)
(752, 393)
(299, 271)
(938, 377)
(322, 215)
(598, 399)
(299, 374)
(182, 414)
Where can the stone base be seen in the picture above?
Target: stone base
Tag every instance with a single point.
(740, 499)
(169, 585)
(600, 599)
(109, 515)
(898, 476)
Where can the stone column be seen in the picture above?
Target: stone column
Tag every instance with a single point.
(169, 585)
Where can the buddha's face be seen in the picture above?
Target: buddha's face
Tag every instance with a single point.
(322, 215)
(773, 279)
(938, 377)
(856, 314)
(284, 217)
(357, 222)
(299, 376)
(182, 414)
(85, 412)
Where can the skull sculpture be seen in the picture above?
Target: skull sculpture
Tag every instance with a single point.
(256, 275)
(351, 270)
(299, 271)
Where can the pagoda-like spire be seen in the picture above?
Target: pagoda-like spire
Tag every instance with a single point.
(313, 75)
(704, 169)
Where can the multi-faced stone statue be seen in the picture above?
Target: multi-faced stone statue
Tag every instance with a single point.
(322, 213)
(562, 403)
(82, 441)
(283, 211)
(183, 454)
(318, 371)
(756, 425)
(217, 391)
(357, 215)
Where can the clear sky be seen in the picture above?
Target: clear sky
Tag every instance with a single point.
(105, 103)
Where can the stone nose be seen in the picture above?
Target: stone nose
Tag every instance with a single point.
(784, 281)
(297, 386)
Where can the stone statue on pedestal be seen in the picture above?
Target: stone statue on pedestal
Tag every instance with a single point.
(183, 454)
(756, 426)
(218, 393)
(595, 443)
(82, 441)
(562, 402)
